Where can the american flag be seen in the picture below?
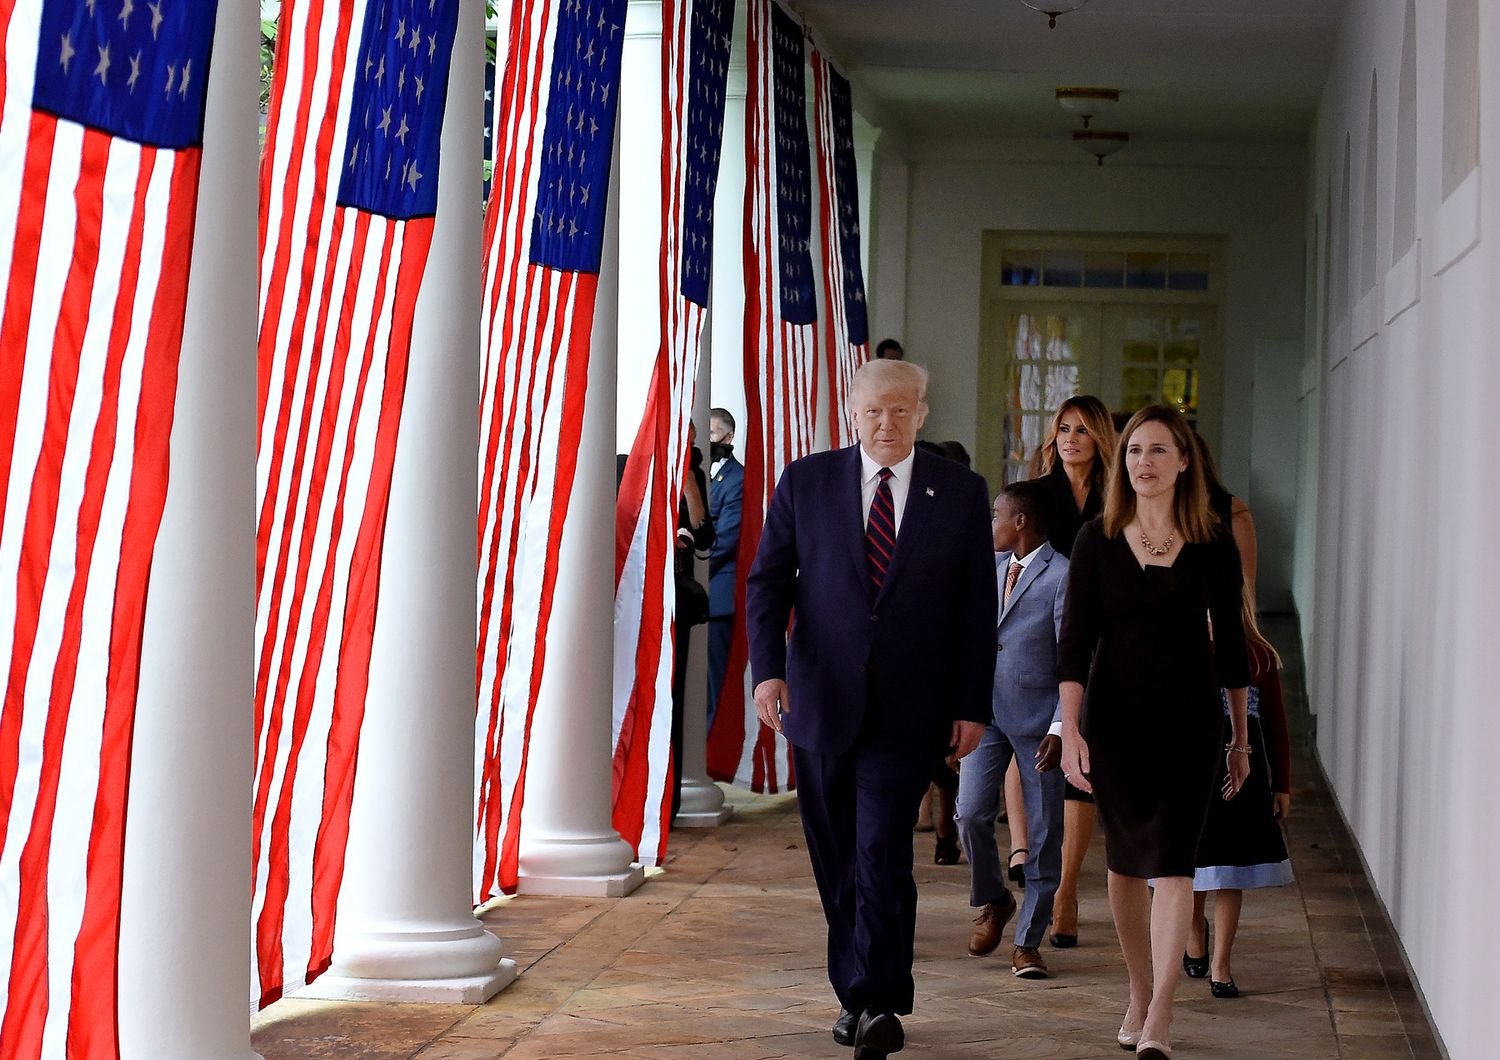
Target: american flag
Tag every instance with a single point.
(780, 351)
(846, 330)
(695, 64)
(543, 242)
(348, 190)
(100, 141)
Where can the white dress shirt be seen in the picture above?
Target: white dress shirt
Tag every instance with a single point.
(1003, 571)
(900, 484)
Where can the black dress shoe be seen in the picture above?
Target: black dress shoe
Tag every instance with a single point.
(878, 1035)
(1218, 989)
(844, 1027)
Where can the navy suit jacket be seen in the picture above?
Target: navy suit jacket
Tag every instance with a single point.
(726, 497)
(919, 654)
(1026, 671)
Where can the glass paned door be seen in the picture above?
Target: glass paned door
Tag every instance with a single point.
(1162, 354)
(1038, 355)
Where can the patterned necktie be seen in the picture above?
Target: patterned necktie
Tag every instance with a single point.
(880, 530)
(1011, 577)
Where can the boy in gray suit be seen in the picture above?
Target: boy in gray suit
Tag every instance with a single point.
(1026, 725)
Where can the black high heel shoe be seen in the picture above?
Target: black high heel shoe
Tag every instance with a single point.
(1197, 967)
(946, 850)
(1218, 989)
(1017, 873)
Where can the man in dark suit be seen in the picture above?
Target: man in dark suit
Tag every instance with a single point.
(726, 494)
(881, 558)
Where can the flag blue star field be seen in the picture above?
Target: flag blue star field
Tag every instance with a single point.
(99, 180)
(131, 70)
(349, 182)
(695, 65)
(708, 52)
(556, 94)
(846, 329)
(402, 83)
(489, 124)
(793, 171)
(567, 230)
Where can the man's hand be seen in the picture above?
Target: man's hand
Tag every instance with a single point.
(1281, 805)
(966, 737)
(771, 702)
(1048, 753)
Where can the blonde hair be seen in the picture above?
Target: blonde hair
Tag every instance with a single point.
(1101, 427)
(1196, 521)
(887, 372)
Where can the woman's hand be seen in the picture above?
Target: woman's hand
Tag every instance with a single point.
(1237, 765)
(1281, 805)
(1075, 761)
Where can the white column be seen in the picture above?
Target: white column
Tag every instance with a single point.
(406, 927)
(639, 163)
(726, 320)
(702, 804)
(568, 845)
(184, 972)
(865, 136)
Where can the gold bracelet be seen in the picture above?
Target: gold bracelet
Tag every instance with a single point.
(1232, 749)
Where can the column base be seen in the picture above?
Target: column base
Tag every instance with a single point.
(444, 962)
(464, 990)
(578, 866)
(611, 885)
(701, 798)
(703, 818)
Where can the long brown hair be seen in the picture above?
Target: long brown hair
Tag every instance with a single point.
(1101, 427)
(1257, 640)
(1196, 521)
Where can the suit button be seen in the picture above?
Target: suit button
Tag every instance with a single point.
(999, 647)
(874, 618)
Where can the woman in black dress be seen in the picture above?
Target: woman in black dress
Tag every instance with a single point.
(1074, 465)
(1141, 707)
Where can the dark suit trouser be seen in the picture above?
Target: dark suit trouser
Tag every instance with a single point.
(858, 812)
(720, 636)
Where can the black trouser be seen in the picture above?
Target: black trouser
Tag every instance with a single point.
(858, 811)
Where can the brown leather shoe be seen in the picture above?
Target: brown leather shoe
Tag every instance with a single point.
(1027, 963)
(989, 926)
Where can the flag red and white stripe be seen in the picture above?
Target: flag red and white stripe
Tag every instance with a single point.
(845, 333)
(96, 234)
(780, 352)
(543, 238)
(338, 286)
(695, 47)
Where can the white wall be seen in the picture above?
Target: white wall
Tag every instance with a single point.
(1253, 195)
(1399, 498)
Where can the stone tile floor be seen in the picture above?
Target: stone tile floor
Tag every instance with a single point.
(720, 955)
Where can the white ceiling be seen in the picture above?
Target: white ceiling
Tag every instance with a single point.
(1247, 71)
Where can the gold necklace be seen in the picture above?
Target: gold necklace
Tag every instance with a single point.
(1166, 546)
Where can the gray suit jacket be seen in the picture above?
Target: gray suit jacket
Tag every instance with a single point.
(1026, 671)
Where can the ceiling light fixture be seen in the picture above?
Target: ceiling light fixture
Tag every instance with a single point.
(1087, 103)
(1100, 142)
(1053, 8)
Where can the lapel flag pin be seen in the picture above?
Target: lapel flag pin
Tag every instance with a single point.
(931, 492)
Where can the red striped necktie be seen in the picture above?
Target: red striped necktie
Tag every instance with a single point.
(880, 530)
